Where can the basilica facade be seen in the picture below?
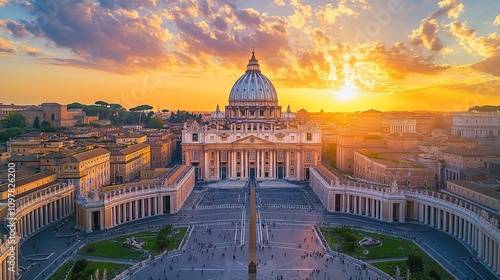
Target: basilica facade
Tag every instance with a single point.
(252, 138)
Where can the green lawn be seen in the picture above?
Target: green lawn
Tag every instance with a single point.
(391, 248)
(113, 248)
(61, 272)
(112, 269)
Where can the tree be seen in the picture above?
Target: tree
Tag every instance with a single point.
(15, 120)
(415, 263)
(36, 122)
(141, 109)
(10, 133)
(434, 275)
(156, 122)
(102, 103)
(48, 127)
(162, 239)
(164, 110)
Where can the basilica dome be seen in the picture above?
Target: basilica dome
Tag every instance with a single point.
(253, 86)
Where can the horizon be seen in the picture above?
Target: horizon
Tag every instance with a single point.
(344, 57)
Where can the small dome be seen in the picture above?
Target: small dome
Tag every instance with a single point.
(288, 115)
(217, 115)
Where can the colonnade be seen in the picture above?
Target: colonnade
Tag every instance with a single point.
(472, 225)
(136, 209)
(39, 215)
(465, 227)
(9, 264)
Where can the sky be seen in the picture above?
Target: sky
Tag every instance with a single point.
(346, 55)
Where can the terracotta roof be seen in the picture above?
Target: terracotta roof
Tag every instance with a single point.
(486, 190)
(129, 150)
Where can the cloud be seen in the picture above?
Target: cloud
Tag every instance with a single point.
(31, 51)
(279, 2)
(98, 36)
(486, 46)
(450, 8)
(329, 14)
(496, 21)
(6, 47)
(398, 61)
(426, 35)
(3, 3)
(16, 29)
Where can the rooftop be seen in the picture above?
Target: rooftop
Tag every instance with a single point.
(478, 187)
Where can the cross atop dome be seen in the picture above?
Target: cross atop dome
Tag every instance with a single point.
(253, 63)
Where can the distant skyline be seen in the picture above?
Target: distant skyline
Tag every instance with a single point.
(186, 54)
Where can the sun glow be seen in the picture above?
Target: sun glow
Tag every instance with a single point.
(347, 92)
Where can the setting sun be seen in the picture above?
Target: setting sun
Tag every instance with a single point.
(347, 92)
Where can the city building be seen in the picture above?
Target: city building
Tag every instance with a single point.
(348, 143)
(369, 122)
(482, 193)
(127, 163)
(483, 126)
(399, 126)
(388, 167)
(87, 171)
(134, 138)
(56, 114)
(455, 160)
(160, 155)
(253, 138)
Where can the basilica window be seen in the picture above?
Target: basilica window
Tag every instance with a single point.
(195, 155)
(212, 155)
(252, 155)
(280, 154)
(195, 137)
(266, 155)
(238, 155)
(309, 136)
(224, 155)
(308, 156)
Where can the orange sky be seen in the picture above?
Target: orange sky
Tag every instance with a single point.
(347, 56)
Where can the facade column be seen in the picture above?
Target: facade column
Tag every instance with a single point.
(391, 214)
(257, 170)
(421, 212)
(438, 218)
(381, 210)
(119, 212)
(455, 230)
(355, 202)
(460, 227)
(367, 207)
(88, 217)
(32, 222)
(206, 165)
(143, 207)
(401, 213)
(298, 165)
(432, 209)
(160, 204)
(426, 214)
(101, 220)
(348, 203)
(445, 222)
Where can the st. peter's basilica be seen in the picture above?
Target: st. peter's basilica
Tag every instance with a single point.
(253, 137)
